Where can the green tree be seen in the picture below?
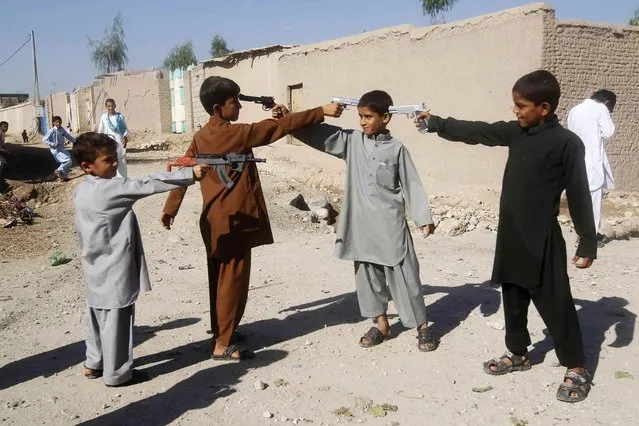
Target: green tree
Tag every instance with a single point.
(635, 19)
(181, 56)
(435, 8)
(219, 47)
(109, 54)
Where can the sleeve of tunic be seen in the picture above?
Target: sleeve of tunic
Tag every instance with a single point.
(47, 138)
(132, 189)
(326, 138)
(174, 201)
(101, 128)
(579, 200)
(500, 133)
(68, 136)
(606, 126)
(124, 125)
(413, 189)
(268, 131)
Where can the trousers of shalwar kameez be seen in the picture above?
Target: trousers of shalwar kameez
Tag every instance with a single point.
(554, 302)
(376, 283)
(109, 340)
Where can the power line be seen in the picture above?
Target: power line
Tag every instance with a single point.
(14, 53)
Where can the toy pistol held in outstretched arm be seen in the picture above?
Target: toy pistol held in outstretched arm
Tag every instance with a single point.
(267, 102)
(219, 162)
(411, 111)
(346, 101)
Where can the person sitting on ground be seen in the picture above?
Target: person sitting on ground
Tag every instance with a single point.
(4, 155)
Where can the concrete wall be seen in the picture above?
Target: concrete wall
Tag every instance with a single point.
(463, 69)
(19, 117)
(58, 104)
(586, 57)
(143, 98)
(257, 76)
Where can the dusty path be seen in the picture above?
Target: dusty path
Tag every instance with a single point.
(303, 320)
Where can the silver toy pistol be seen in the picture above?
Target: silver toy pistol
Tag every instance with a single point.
(346, 101)
(411, 111)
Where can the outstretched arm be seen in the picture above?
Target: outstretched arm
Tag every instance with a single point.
(500, 133)
(173, 202)
(326, 138)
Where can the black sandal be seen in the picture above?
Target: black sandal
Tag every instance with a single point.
(518, 363)
(580, 386)
(425, 340)
(373, 337)
(227, 355)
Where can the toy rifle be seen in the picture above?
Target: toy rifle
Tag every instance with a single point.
(219, 162)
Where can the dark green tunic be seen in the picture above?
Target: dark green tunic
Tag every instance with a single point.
(543, 161)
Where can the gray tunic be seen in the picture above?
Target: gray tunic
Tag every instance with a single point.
(380, 179)
(110, 241)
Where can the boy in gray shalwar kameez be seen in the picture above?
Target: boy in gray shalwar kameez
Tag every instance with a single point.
(373, 232)
(112, 255)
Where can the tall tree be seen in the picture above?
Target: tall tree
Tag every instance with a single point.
(219, 47)
(635, 19)
(109, 54)
(181, 56)
(435, 8)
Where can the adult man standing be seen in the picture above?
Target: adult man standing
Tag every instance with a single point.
(591, 120)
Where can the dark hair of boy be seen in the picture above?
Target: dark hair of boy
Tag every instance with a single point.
(88, 147)
(109, 100)
(377, 101)
(217, 90)
(3, 123)
(56, 118)
(605, 97)
(539, 87)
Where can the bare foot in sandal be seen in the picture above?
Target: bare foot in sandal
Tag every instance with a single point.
(576, 385)
(507, 363)
(378, 334)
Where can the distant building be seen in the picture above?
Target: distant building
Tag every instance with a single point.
(178, 107)
(10, 99)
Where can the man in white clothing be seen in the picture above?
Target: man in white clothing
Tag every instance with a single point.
(591, 120)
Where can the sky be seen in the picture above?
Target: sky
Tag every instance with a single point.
(152, 28)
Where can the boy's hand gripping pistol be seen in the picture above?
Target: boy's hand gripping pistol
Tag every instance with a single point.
(411, 111)
(219, 162)
(345, 101)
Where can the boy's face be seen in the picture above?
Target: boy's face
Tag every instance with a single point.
(230, 110)
(104, 166)
(4, 128)
(57, 123)
(528, 114)
(371, 122)
(110, 107)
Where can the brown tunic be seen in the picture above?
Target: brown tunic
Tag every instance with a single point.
(234, 221)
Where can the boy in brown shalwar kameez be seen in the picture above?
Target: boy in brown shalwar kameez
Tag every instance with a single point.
(233, 221)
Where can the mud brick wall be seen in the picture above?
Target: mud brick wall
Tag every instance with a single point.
(586, 57)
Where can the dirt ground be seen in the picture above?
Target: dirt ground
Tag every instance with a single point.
(302, 319)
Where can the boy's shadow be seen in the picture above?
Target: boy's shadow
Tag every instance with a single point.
(448, 312)
(51, 362)
(596, 318)
(198, 391)
(335, 310)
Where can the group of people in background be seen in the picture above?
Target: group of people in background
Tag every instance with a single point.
(112, 123)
